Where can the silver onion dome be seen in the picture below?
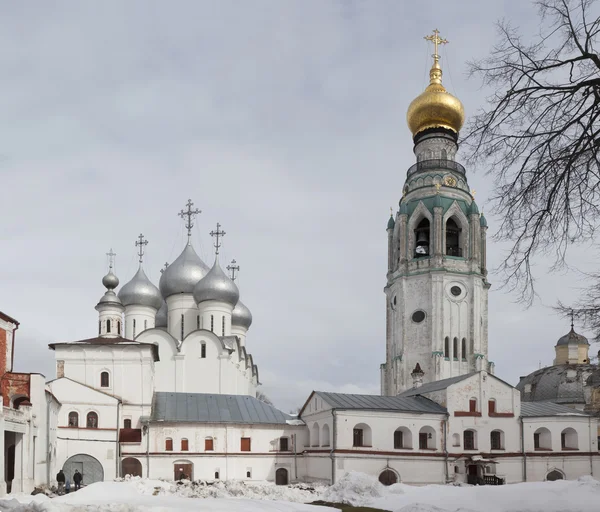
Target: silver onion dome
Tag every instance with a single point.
(183, 274)
(572, 337)
(241, 315)
(161, 316)
(110, 297)
(140, 292)
(110, 281)
(216, 286)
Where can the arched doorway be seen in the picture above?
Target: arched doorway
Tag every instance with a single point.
(555, 475)
(90, 468)
(281, 476)
(131, 466)
(388, 477)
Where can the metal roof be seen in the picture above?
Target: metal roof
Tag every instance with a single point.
(437, 385)
(213, 408)
(382, 403)
(539, 409)
(563, 383)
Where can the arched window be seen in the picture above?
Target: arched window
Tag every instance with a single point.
(119, 327)
(134, 327)
(92, 420)
(185, 445)
(104, 380)
(422, 239)
(464, 349)
(427, 440)
(453, 238)
(469, 440)
(554, 475)
(361, 435)
(168, 444)
(447, 347)
(325, 435)
(203, 350)
(568, 439)
(402, 439)
(542, 439)
(108, 326)
(314, 435)
(497, 440)
(73, 419)
(455, 349)
(455, 440)
(127, 423)
(99, 327)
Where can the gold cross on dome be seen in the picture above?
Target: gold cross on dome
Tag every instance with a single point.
(436, 40)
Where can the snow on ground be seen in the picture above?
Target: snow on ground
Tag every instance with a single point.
(142, 495)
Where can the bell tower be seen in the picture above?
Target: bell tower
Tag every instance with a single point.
(437, 290)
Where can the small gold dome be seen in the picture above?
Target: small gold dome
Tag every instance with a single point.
(435, 107)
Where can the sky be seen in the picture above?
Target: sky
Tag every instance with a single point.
(282, 120)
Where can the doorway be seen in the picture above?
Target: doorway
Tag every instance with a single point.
(10, 440)
(183, 471)
(281, 477)
(131, 466)
(90, 468)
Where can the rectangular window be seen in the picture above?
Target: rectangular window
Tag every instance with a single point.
(284, 444)
(423, 441)
(108, 326)
(182, 326)
(198, 322)
(563, 441)
(184, 445)
(212, 323)
(398, 439)
(222, 326)
(134, 327)
(203, 350)
(496, 440)
(536, 441)
(208, 444)
(469, 440)
(245, 444)
(491, 406)
(455, 349)
(472, 405)
(127, 423)
(464, 349)
(358, 437)
(119, 327)
(169, 445)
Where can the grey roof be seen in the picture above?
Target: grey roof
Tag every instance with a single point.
(381, 403)
(241, 315)
(216, 286)
(562, 383)
(140, 292)
(540, 409)
(572, 337)
(437, 385)
(212, 408)
(183, 274)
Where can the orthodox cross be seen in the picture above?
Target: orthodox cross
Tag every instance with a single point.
(217, 234)
(436, 39)
(111, 258)
(163, 269)
(233, 268)
(141, 243)
(190, 214)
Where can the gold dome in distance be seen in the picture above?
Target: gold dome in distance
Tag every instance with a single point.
(435, 107)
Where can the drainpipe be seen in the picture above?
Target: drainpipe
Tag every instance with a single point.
(333, 446)
(146, 428)
(445, 446)
(523, 451)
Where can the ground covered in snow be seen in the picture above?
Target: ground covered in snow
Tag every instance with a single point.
(142, 495)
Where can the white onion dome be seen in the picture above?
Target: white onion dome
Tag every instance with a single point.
(140, 292)
(241, 316)
(183, 274)
(110, 281)
(161, 316)
(216, 286)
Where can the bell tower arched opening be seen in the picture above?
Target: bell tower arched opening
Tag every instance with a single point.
(453, 238)
(422, 237)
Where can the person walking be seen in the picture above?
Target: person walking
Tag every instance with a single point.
(60, 480)
(77, 478)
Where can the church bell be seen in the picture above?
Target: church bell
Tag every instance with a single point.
(422, 246)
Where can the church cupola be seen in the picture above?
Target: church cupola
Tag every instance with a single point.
(110, 309)
(179, 279)
(572, 348)
(140, 297)
(216, 295)
(241, 317)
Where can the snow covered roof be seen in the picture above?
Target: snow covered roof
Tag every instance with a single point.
(213, 408)
(539, 409)
(381, 403)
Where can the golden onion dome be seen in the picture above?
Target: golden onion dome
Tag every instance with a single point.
(435, 107)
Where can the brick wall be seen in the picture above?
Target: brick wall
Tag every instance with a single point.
(13, 385)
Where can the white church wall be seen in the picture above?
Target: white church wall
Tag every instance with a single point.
(179, 305)
(165, 371)
(137, 320)
(584, 426)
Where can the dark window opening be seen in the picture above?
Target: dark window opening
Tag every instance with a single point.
(496, 440)
(464, 349)
(423, 441)
(127, 423)
(222, 326)
(203, 350)
(104, 380)
(418, 316)
(469, 440)
(198, 322)
(73, 419)
(119, 327)
(216, 475)
(447, 347)
(398, 439)
(452, 238)
(358, 437)
(248, 474)
(283, 444)
(455, 349)
(536, 441)
(422, 239)
(108, 326)
(92, 420)
(212, 323)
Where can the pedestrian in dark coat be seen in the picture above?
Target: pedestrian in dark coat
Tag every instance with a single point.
(77, 478)
(60, 480)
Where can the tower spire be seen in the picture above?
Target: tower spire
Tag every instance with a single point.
(141, 243)
(233, 268)
(190, 214)
(218, 234)
(435, 74)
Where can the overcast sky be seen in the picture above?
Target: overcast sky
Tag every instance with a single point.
(282, 120)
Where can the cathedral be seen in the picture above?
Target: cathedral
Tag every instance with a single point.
(166, 387)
